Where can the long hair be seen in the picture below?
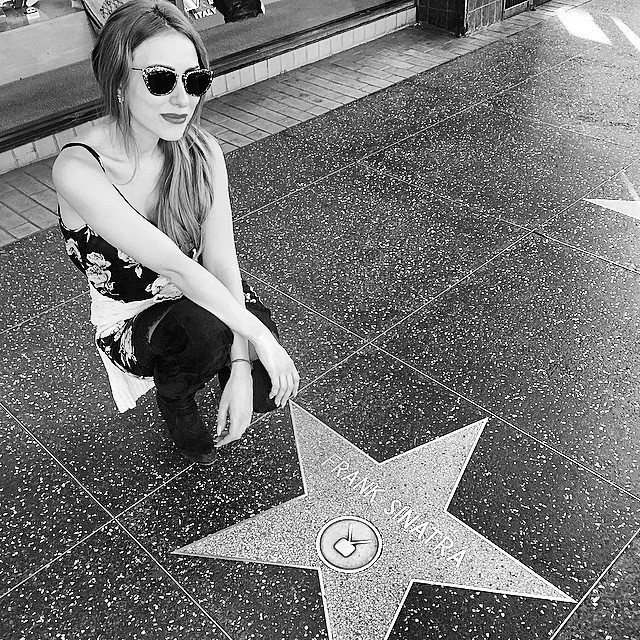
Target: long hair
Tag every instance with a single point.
(185, 189)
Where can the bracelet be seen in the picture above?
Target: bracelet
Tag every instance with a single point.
(243, 360)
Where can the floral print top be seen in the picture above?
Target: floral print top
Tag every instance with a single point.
(115, 275)
(109, 271)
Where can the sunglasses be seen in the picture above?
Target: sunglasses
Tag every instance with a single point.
(161, 81)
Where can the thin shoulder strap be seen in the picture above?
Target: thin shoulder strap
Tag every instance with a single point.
(91, 150)
(96, 155)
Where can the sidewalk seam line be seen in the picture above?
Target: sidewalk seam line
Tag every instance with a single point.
(57, 558)
(39, 314)
(593, 586)
(172, 578)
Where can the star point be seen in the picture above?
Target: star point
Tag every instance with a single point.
(630, 208)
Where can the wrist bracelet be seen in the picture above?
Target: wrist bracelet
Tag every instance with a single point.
(242, 360)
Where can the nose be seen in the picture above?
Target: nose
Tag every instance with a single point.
(179, 96)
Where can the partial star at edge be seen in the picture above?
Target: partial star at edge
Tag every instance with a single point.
(404, 501)
(629, 208)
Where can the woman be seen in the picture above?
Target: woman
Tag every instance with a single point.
(144, 209)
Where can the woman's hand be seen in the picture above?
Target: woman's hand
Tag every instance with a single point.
(236, 405)
(285, 378)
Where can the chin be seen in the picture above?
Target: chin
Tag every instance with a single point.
(174, 136)
(171, 133)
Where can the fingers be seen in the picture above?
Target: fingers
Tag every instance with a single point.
(230, 436)
(223, 414)
(226, 440)
(237, 426)
(285, 388)
(296, 382)
(221, 426)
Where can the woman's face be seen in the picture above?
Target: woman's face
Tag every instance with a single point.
(164, 117)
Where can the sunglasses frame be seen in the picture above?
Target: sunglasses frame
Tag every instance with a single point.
(184, 77)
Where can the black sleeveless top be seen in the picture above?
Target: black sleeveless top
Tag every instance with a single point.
(109, 271)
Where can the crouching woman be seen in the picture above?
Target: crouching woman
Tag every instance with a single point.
(145, 214)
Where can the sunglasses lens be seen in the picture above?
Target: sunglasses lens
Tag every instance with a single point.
(161, 81)
(197, 82)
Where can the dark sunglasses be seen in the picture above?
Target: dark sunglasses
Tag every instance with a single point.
(162, 80)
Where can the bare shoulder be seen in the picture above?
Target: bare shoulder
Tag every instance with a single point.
(72, 168)
(69, 158)
(76, 171)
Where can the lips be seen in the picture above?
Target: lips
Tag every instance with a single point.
(175, 118)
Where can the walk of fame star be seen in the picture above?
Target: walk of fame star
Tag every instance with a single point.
(372, 529)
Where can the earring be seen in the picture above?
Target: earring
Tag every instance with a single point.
(119, 97)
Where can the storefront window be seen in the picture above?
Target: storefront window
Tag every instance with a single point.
(20, 13)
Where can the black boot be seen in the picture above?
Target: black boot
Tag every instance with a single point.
(188, 430)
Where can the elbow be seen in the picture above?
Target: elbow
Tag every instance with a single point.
(175, 275)
(181, 272)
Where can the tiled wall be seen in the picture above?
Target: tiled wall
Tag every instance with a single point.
(482, 13)
(460, 16)
(49, 146)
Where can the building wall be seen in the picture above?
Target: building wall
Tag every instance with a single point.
(482, 13)
(461, 16)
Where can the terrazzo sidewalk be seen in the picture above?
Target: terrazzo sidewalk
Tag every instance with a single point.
(454, 264)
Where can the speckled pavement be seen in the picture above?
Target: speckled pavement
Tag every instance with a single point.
(454, 263)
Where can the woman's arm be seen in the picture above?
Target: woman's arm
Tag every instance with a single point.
(81, 182)
(219, 257)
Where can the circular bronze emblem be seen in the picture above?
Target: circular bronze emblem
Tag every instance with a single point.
(349, 544)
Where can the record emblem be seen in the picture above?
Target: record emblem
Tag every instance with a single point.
(349, 544)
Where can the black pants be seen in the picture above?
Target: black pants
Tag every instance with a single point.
(189, 346)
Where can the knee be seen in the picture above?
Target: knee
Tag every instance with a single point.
(205, 333)
(202, 327)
